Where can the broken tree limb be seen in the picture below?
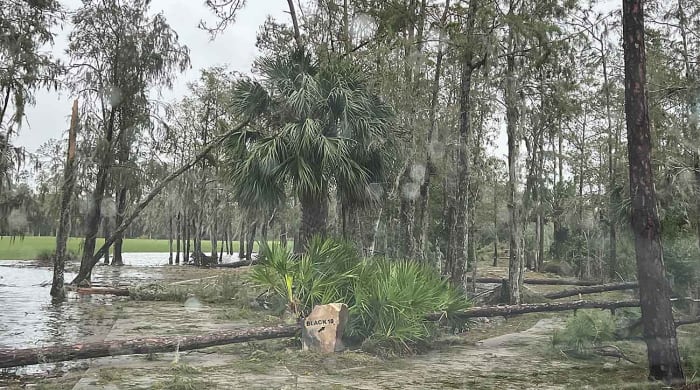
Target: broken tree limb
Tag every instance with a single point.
(511, 310)
(121, 292)
(146, 345)
(687, 321)
(592, 289)
(84, 271)
(237, 264)
(552, 282)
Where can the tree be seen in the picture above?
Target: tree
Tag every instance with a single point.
(316, 127)
(117, 53)
(657, 316)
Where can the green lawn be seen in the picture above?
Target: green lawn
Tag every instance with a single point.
(30, 247)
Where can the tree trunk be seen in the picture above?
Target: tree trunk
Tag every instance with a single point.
(654, 292)
(314, 213)
(63, 231)
(251, 241)
(547, 282)
(92, 220)
(213, 232)
(591, 290)
(121, 208)
(105, 233)
(178, 239)
(185, 230)
(170, 239)
(146, 345)
(515, 263)
(241, 241)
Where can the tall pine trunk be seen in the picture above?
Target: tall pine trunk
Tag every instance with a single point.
(654, 292)
(63, 231)
(92, 220)
(515, 263)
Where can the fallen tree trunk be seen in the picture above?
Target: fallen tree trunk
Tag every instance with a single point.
(59, 353)
(592, 289)
(687, 321)
(237, 264)
(121, 292)
(511, 310)
(551, 282)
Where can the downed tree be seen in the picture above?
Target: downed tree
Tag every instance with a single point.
(551, 282)
(237, 264)
(687, 321)
(146, 345)
(121, 292)
(85, 271)
(511, 310)
(592, 289)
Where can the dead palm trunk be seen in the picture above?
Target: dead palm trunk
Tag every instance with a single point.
(654, 291)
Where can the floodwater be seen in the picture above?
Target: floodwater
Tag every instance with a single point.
(28, 318)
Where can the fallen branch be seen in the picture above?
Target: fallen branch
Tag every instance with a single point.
(511, 310)
(551, 282)
(592, 289)
(687, 321)
(121, 292)
(146, 345)
(237, 264)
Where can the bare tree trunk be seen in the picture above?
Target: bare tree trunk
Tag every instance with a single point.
(92, 220)
(251, 241)
(515, 264)
(178, 238)
(185, 230)
(654, 292)
(63, 231)
(241, 241)
(119, 241)
(170, 239)
(105, 233)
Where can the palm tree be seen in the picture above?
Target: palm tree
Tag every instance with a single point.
(314, 128)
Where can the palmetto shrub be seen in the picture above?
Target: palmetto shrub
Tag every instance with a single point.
(387, 299)
(584, 331)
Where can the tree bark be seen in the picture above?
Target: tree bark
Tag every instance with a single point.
(314, 214)
(63, 232)
(92, 220)
(146, 345)
(241, 241)
(592, 290)
(515, 263)
(251, 241)
(84, 272)
(178, 238)
(657, 317)
(170, 239)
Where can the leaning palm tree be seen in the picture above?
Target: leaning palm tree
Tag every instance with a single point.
(314, 129)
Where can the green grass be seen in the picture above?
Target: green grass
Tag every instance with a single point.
(31, 247)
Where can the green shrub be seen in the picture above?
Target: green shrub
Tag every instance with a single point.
(682, 259)
(690, 352)
(387, 299)
(585, 330)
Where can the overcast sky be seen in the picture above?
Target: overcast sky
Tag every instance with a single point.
(235, 48)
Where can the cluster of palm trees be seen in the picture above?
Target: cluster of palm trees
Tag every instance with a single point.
(315, 128)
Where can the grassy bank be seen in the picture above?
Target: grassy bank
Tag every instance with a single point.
(29, 247)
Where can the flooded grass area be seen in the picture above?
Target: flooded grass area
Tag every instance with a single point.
(494, 353)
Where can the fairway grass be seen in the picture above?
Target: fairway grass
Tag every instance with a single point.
(30, 247)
